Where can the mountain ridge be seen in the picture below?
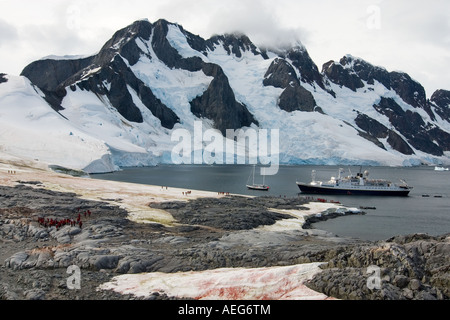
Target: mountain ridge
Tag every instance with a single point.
(151, 78)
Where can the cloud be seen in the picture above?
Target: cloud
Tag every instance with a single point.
(8, 33)
(255, 18)
(258, 20)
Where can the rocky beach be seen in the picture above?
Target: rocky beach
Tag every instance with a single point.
(126, 239)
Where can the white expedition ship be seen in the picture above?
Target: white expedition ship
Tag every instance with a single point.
(355, 185)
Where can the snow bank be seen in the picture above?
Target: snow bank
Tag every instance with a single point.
(31, 129)
(272, 283)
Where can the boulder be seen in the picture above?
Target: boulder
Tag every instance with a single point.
(104, 261)
(16, 261)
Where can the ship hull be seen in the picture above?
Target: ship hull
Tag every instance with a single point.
(258, 188)
(307, 188)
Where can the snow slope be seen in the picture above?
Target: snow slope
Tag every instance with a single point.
(31, 129)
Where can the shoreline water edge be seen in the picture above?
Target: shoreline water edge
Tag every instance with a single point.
(67, 238)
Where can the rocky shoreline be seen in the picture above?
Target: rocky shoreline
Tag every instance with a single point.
(411, 267)
(206, 233)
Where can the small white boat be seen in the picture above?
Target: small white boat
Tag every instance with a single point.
(255, 186)
(440, 169)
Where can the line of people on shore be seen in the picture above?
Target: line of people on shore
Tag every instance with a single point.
(59, 223)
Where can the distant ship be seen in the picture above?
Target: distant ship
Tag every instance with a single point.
(355, 185)
(440, 169)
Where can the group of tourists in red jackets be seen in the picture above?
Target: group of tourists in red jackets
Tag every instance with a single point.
(58, 223)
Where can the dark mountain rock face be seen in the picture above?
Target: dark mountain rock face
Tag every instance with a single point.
(351, 72)
(119, 75)
(376, 130)
(342, 76)
(48, 74)
(441, 101)
(3, 78)
(218, 103)
(53, 76)
(168, 54)
(281, 74)
(367, 72)
(409, 90)
(297, 98)
(419, 134)
(233, 44)
(308, 69)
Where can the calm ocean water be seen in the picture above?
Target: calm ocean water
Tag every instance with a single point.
(392, 216)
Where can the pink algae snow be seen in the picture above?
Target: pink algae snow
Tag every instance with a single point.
(272, 283)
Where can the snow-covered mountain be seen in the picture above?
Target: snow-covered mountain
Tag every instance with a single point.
(119, 107)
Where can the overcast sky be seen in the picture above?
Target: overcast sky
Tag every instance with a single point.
(401, 35)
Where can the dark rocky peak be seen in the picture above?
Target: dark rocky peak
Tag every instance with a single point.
(411, 91)
(441, 103)
(219, 104)
(298, 57)
(342, 76)
(141, 28)
(120, 76)
(366, 71)
(441, 98)
(280, 74)
(53, 74)
(309, 73)
(168, 54)
(160, 36)
(419, 134)
(235, 43)
(3, 78)
(351, 71)
(374, 130)
(123, 43)
(408, 89)
(48, 74)
(54, 77)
